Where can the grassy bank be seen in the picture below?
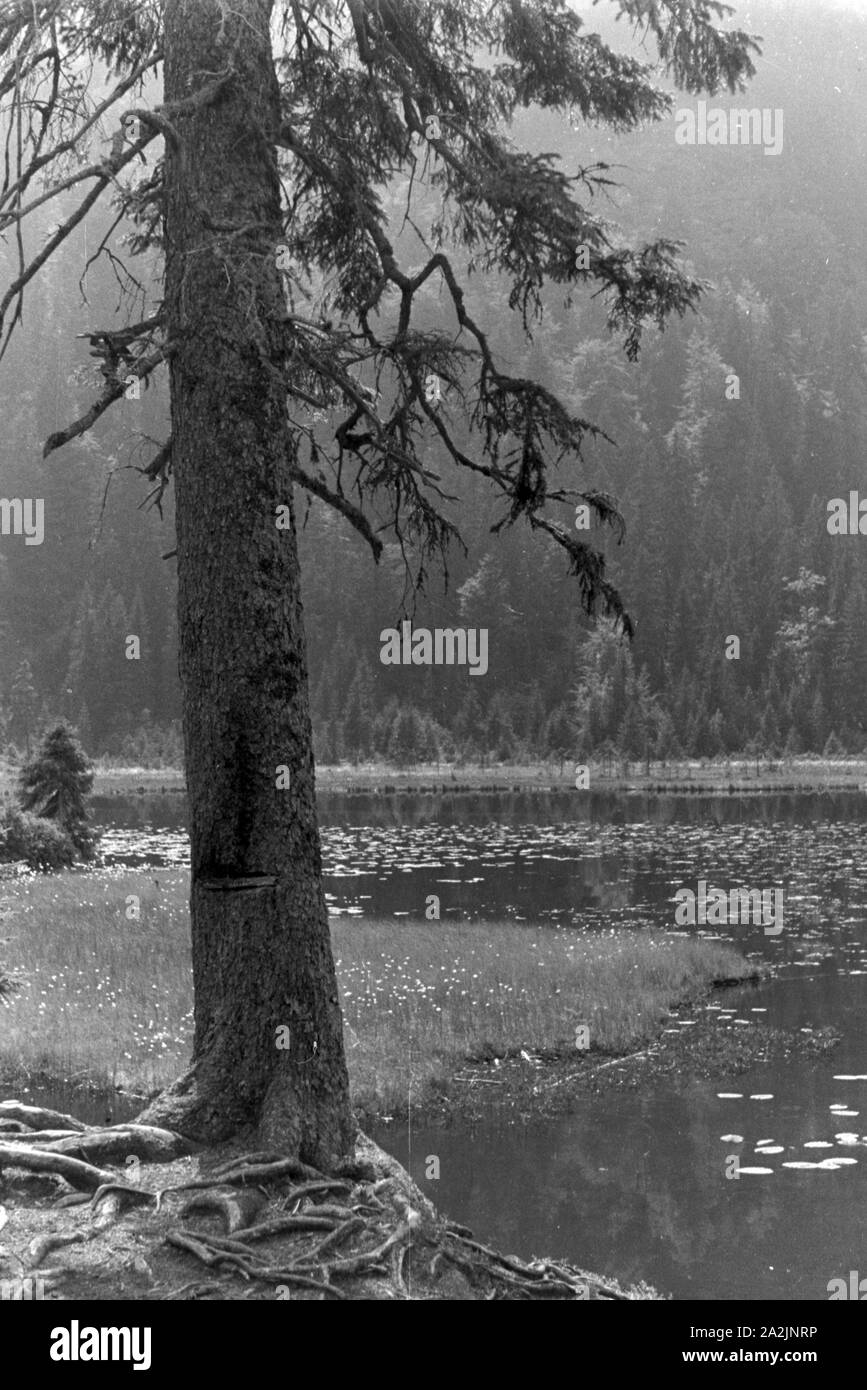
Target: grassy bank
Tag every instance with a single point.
(109, 1000)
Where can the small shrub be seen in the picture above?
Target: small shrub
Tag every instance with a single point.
(55, 785)
(40, 843)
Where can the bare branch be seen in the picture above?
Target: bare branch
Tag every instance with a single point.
(341, 504)
(144, 366)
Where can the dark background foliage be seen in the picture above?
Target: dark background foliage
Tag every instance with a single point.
(725, 501)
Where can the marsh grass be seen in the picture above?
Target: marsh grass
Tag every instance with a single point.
(101, 996)
(108, 999)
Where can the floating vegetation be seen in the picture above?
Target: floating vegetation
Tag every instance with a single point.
(577, 873)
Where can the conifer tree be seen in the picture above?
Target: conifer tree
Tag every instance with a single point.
(271, 310)
(55, 784)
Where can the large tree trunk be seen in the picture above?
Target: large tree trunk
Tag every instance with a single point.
(262, 956)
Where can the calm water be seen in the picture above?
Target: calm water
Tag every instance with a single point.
(634, 1184)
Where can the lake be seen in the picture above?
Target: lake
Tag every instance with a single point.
(634, 1184)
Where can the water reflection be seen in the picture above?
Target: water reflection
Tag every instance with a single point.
(635, 1183)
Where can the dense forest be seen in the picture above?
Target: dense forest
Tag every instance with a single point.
(727, 441)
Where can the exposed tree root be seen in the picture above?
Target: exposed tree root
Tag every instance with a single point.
(137, 1195)
(79, 1174)
(17, 1133)
(261, 1156)
(398, 1256)
(125, 1141)
(243, 1172)
(211, 1253)
(249, 1169)
(35, 1117)
(105, 1145)
(309, 1189)
(541, 1279)
(305, 1222)
(367, 1232)
(238, 1209)
(336, 1237)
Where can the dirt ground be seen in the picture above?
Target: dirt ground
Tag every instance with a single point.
(373, 1236)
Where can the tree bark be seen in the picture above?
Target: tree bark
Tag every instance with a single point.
(262, 956)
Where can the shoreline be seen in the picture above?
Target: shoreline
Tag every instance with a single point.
(529, 1087)
(542, 1084)
(546, 1084)
(736, 777)
(421, 1000)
